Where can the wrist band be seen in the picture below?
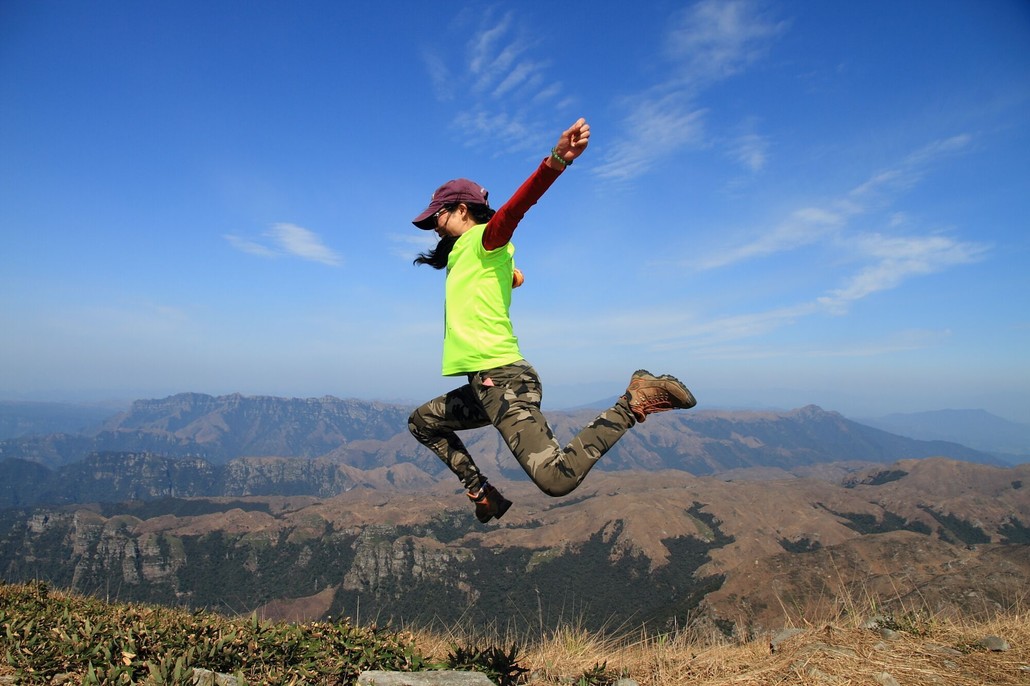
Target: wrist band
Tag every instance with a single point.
(559, 158)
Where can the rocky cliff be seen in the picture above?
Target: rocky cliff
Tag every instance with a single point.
(655, 549)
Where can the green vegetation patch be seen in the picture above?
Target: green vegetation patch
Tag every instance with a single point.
(801, 545)
(869, 524)
(1015, 532)
(879, 479)
(541, 556)
(955, 529)
(44, 635)
(446, 527)
(179, 507)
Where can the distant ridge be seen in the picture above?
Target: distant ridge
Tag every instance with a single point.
(24, 418)
(978, 429)
(370, 435)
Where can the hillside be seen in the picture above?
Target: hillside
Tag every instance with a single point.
(317, 508)
(151, 642)
(658, 549)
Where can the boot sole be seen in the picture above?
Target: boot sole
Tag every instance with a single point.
(688, 401)
(502, 507)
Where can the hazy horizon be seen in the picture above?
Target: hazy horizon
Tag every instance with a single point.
(118, 404)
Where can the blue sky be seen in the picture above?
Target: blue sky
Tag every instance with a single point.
(783, 203)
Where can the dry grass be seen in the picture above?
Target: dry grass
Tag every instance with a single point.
(921, 650)
(938, 652)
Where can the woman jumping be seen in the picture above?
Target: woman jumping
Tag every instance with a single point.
(479, 343)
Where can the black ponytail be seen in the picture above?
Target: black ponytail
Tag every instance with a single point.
(437, 257)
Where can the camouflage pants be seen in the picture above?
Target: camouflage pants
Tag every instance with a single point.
(509, 398)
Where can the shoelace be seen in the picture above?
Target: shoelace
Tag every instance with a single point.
(660, 400)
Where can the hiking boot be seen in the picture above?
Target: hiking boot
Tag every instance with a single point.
(489, 503)
(648, 394)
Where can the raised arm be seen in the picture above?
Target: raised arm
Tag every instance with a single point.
(571, 144)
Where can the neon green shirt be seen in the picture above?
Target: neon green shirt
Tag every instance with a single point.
(477, 326)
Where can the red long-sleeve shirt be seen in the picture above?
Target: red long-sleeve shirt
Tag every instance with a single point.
(501, 226)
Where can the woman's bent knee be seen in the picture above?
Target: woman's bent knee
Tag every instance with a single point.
(557, 490)
(417, 427)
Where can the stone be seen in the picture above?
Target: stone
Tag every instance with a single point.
(944, 650)
(885, 679)
(440, 678)
(205, 677)
(994, 643)
(782, 636)
(821, 677)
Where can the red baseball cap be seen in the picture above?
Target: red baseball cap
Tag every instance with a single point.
(451, 193)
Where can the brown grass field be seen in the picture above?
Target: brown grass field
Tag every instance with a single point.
(938, 652)
(920, 649)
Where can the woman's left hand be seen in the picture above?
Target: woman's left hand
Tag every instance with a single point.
(573, 141)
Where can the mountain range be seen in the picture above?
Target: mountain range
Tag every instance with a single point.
(369, 434)
(311, 508)
(976, 428)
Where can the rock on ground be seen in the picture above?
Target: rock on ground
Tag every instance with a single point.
(441, 678)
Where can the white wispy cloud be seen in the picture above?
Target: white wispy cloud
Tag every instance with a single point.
(879, 260)
(508, 73)
(716, 39)
(750, 150)
(491, 52)
(249, 246)
(737, 327)
(287, 240)
(883, 260)
(809, 225)
(708, 42)
(906, 174)
(889, 261)
(439, 75)
(896, 259)
(654, 130)
(803, 227)
(508, 80)
(303, 243)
